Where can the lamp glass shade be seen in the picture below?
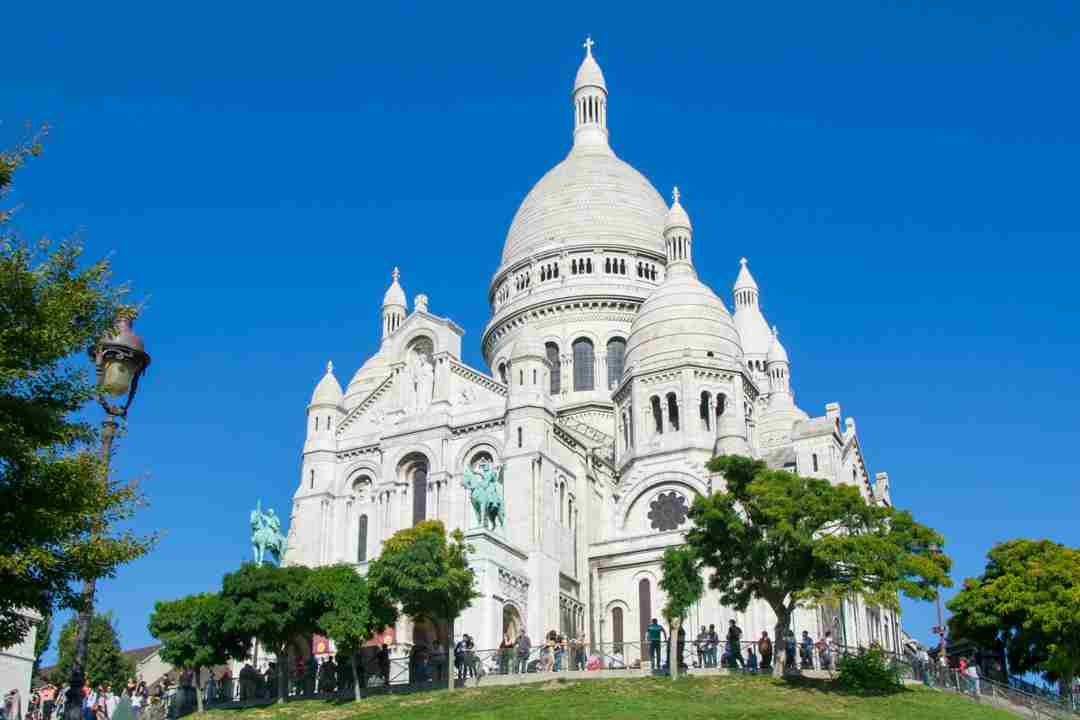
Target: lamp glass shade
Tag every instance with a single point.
(117, 376)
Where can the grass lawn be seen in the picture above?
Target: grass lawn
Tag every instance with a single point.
(733, 696)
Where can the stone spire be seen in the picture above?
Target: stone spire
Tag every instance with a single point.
(393, 306)
(590, 104)
(753, 328)
(678, 234)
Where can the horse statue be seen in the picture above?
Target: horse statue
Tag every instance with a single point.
(266, 535)
(486, 494)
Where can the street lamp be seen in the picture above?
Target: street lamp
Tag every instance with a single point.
(120, 361)
(935, 549)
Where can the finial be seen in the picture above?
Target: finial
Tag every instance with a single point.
(742, 261)
(329, 367)
(588, 45)
(396, 274)
(675, 194)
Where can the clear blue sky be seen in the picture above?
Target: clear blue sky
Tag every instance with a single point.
(903, 178)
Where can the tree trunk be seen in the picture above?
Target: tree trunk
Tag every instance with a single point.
(783, 621)
(673, 656)
(355, 676)
(283, 674)
(198, 689)
(451, 671)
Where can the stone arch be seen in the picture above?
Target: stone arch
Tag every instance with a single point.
(511, 619)
(651, 484)
(416, 333)
(486, 443)
(352, 473)
(402, 453)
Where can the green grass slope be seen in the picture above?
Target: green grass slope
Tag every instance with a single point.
(743, 697)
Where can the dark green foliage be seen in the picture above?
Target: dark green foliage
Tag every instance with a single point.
(682, 584)
(272, 604)
(56, 501)
(191, 631)
(1028, 600)
(868, 673)
(105, 663)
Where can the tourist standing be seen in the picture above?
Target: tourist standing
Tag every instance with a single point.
(656, 635)
(582, 657)
(734, 646)
(806, 650)
(506, 651)
(789, 650)
(384, 663)
(751, 659)
(713, 646)
(522, 648)
(765, 649)
(702, 646)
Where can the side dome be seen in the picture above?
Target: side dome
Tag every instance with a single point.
(366, 379)
(586, 199)
(683, 318)
(328, 391)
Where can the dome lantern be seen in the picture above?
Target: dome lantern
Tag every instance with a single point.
(590, 104)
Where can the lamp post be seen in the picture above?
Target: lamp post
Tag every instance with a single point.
(120, 361)
(936, 550)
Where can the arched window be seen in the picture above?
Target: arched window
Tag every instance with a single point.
(311, 480)
(361, 540)
(616, 360)
(704, 411)
(419, 472)
(556, 371)
(622, 267)
(644, 607)
(721, 406)
(521, 377)
(584, 362)
(562, 502)
(519, 437)
(617, 629)
(657, 415)
(316, 423)
(673, 412)
(813, 459)
(502, 373)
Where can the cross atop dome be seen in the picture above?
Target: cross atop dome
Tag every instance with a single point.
(588, 45)
(396, 273)
(675, 194)
(329, 367)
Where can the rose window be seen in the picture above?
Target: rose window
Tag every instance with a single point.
(668, 511)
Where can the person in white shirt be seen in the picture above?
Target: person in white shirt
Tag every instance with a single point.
(972, 673)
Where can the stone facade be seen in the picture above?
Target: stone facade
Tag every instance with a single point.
(17, 664)
(615, 374)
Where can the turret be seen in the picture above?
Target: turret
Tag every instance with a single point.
(753, 330)
(324, 412)
(779, 368)
(393, 306)
(590, 104)
(678, 235)
(528, 402)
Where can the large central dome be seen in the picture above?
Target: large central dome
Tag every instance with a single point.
(590, 197)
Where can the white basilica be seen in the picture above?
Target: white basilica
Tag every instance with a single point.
(615, 375)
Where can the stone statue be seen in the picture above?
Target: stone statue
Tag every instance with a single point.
(421, 381)
(266, 535)
(486, 494)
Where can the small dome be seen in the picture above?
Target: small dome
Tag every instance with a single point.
(589, 74)
(777, 353)
(677, 217)
(394, 294)
(366, 379)
(328, 391)
(682, 318)
(527, 345)
(744, 280)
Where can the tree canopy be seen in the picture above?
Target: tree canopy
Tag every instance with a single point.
(56, 499)
(191, 631)
(1028, 600)
(785, 539)
(426, 573)
(352, 613)
(272, 604)
(682, 584)
(105, 664)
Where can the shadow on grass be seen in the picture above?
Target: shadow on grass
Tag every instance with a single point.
(833, 687)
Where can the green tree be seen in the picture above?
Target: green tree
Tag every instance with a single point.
(352, 612)
(785, 539)
(42, 640)
(106, 663)
(274, 605)
(55, 497)
(1027, 599)
(191, 633)
(682, 584)
(427, 574)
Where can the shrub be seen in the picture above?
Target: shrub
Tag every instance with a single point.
(868, 672)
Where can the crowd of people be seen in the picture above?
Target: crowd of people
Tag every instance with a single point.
(99, 702)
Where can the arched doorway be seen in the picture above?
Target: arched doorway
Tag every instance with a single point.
(511, 621)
